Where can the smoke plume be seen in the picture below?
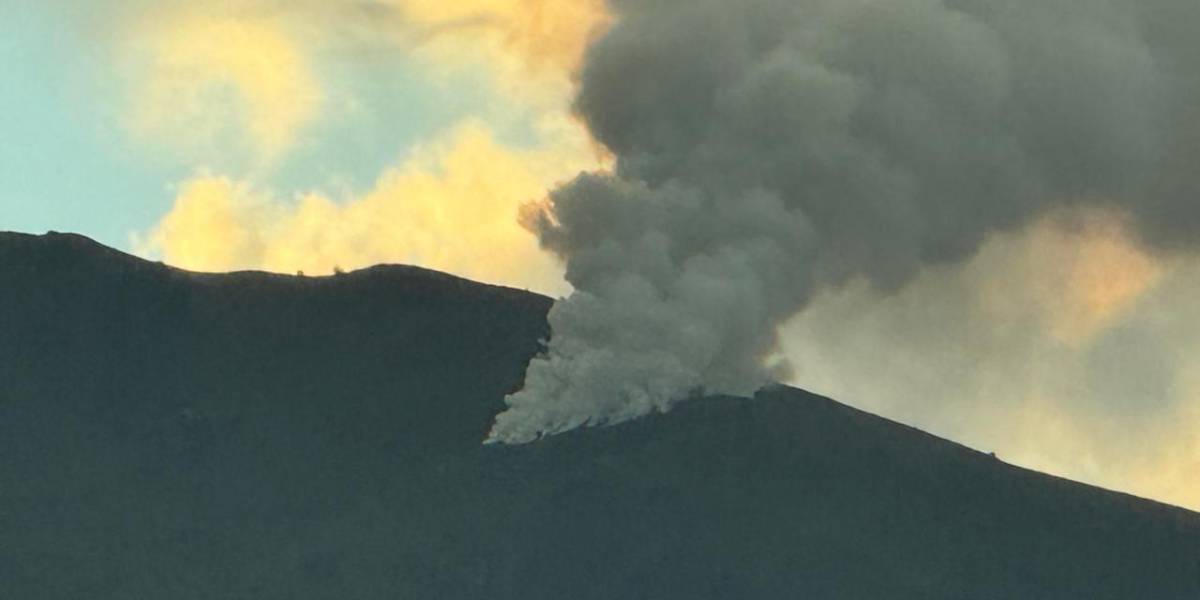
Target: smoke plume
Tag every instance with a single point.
(769, 149)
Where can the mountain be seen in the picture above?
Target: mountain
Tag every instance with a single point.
(173, 435)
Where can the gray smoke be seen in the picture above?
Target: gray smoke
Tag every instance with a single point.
(768, 149)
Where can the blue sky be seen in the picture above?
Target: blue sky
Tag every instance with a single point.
(64, 162)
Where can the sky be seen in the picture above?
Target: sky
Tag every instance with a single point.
(309, 136)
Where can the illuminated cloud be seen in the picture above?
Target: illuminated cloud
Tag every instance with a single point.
(522, 37)
(1159, 460)
(214, 72)
(216, 224)
(204, 71)
(1079, 270)
(203, 76)
(1063, 347)
(451, 206)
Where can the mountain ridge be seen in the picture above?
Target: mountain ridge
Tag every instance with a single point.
(81, 246)
(182, 435)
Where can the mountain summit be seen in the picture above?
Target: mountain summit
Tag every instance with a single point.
(175, 435)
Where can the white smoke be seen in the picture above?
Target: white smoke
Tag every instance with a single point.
(768, 149)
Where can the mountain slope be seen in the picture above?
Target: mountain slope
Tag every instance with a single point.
(170, 435)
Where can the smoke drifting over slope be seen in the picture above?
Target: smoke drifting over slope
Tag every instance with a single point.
(768, 149)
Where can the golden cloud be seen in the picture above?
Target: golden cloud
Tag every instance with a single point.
(205, 75)
(213, 225)
(246, 67)
(1017, 350)
(451, 206)
(540, 33)
(1047, 437)
(1078, 270)
(202, 73)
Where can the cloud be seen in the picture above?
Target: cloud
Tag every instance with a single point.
(1026, 351)
(535, 35)
(215, 73)
(768, 150)
(1079, 269)
(216, 224)
(201, 71)
(204, 76)
(452, 205)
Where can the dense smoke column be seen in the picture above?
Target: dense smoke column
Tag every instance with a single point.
(768, 148)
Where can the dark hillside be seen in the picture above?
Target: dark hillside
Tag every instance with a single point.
(171, 435)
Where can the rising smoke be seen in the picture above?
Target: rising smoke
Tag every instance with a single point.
(769, 149)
